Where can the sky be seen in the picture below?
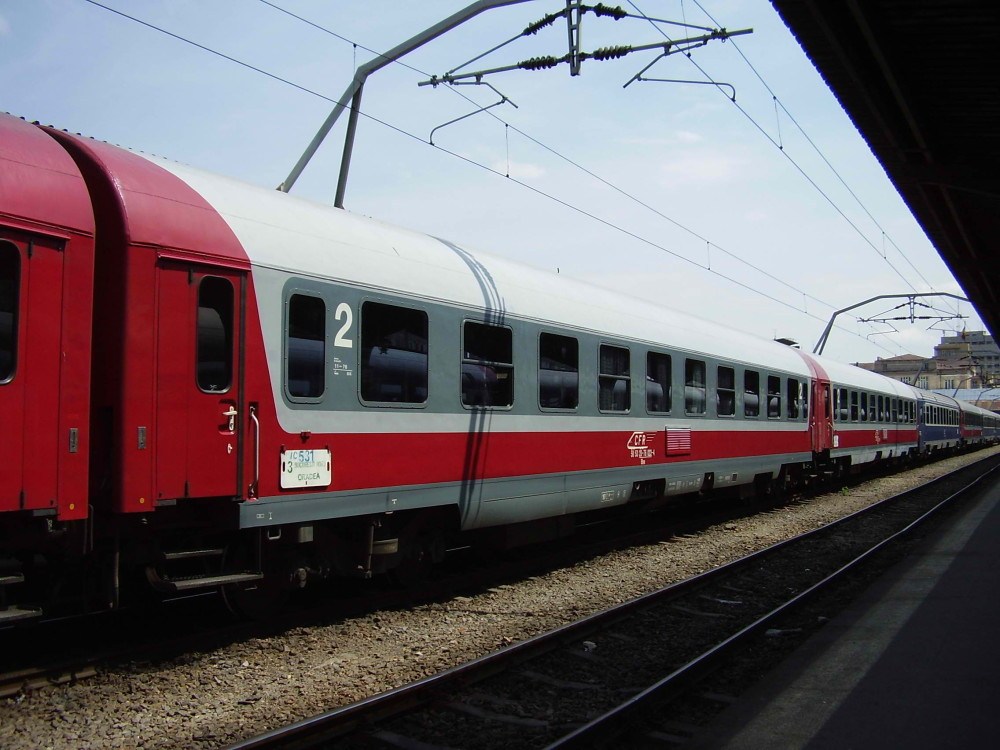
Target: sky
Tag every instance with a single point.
(764, 214)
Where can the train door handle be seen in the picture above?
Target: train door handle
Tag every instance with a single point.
(252, 490)
(232, 414)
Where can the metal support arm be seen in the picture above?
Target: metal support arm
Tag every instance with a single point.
(821, 344)
(361, 75)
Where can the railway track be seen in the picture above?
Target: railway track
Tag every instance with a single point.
(608, 678)
(191, 623)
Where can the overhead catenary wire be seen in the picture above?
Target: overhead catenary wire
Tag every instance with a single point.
(541, 193)
(507, 126)
(780, 104)
(819, 152)
(796, 165)
(567, 159)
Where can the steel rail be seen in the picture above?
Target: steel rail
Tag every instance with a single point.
(608, 723)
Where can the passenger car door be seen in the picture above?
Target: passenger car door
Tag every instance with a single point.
(199, 381)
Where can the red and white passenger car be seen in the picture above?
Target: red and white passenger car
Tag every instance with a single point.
(217, 384)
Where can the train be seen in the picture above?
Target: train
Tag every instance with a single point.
(208, 385)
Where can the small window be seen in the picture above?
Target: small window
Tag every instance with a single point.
(214, 366)
(10, 285)
(841, 398)
(305, 347)
(614, 379)
(751, 393)
(895, 410)
(881, 408)
(394, 349)
(792, 398)
(658, 383)
(872, 411)
(863, 407)
(854, 406)
(487, 365)
(558, 372)
(725, 395)
(773, 397)
(694, 386)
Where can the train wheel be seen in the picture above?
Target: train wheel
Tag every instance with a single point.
(256, 600)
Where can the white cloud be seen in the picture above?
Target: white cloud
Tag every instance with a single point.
(686, 136)
(756, 216)
(702, 167)
(679, 137)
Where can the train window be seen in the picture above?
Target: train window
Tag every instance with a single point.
(894, 416)
(614, 379)
(863, 407)
(773, 397)
(792, 398)
(872, 414)
(854, 406)
(10, 285)
(725, 392)
(695, 390)
(487, 365)
(751, 393)
(558, 371)
(214, 365)
(881, 408)
(658, 383)
(393, 354)
(305, 347)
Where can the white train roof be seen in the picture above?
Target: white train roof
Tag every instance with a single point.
(857, 377)
(298, 236)
(935, 398)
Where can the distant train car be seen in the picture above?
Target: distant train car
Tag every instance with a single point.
(939, 422)
(978, 425)
(874, 418)
(254, 391)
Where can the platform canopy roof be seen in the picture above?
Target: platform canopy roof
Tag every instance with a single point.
(921, 81)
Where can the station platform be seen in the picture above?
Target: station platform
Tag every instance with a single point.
(914, 663)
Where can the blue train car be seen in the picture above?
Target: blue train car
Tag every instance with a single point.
(939, 422)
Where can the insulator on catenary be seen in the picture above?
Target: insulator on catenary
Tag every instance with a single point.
(538, 63)
(540, 24)
(606, 10)
(611, 53)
